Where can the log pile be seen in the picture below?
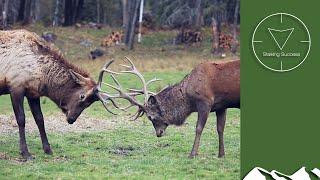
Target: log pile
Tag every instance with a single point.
(188, 37)
(115, 38)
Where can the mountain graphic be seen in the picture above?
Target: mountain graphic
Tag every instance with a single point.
(258, 173)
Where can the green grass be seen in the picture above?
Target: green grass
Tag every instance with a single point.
(127, 149)
(96, 154)
(130, 149)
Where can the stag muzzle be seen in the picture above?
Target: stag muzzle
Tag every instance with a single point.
(72, 117)
(71, 120)
(160, 132)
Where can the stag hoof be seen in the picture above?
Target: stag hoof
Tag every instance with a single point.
(48, 151)
(221, 155)
(27, 156)
(192, 155)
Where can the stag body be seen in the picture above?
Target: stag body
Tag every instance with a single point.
(30, 68)
(210, 87)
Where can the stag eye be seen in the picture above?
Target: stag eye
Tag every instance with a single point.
(82, 96)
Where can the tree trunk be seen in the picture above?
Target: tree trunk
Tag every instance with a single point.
(5, 13)
(98, 10)
(140, 20)
(235, 25)
(56, 14)
(21, 10)
(27, 12)
(198, 17)
(78, 12)
(34, 11)
(130, 31)
(125, 13)
(216, 30)
(68, 13)
(235, 18)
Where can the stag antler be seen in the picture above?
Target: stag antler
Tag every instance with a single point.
(104, 96)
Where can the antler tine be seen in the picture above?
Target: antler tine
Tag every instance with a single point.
(137, 92)
(153, 80)
(104, 103)
(140, 91)
(125, 108)
(102, 72)
(111, 72)
(122, 94)
(134, 70)
(116, 81)
(138, 114)
(131, 63)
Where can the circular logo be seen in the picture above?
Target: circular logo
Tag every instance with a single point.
(281, 42)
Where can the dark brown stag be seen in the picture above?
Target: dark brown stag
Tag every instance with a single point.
(31, 68)
(210, 87)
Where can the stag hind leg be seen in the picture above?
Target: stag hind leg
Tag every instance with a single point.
(221, 120)
(17, 104)
(38, 117)
(203, 112)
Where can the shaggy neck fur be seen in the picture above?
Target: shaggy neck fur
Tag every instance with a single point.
(174, 104)
(57, 81)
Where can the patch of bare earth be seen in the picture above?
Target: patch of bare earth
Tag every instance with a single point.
(5, 156)
(57, 124)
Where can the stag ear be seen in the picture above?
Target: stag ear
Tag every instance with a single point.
(152, 100)
(78, 78)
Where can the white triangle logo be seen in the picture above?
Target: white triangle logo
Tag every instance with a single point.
(283, 43)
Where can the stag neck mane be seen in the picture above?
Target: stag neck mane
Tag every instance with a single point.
(57, 79)
(174, 103)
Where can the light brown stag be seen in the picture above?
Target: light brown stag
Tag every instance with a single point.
(30, 68)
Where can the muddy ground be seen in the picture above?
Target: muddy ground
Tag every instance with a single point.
(58, 124)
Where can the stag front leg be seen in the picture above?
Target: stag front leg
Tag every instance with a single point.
(38, 117)
(221, 120)
(203, 112)
(17, 104)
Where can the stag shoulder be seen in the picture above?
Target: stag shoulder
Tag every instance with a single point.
(211, 78)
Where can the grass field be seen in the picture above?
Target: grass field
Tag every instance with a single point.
(124, 149)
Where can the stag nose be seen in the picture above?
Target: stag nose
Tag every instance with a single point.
(160, 133)
(71, 120)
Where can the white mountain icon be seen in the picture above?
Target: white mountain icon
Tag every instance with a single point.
(258, 173)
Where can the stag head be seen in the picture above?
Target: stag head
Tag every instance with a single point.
(82, 94)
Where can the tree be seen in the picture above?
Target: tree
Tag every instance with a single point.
(198, 15)
(98, 10)
(21, 10)
(216, 28)
(72, 11)
(5, 13)
(56, 14)
(68, 12)
(235, 24)
(131, 24)
(27, 12)
(125, 13)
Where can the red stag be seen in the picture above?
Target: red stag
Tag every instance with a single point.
(210, 87)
